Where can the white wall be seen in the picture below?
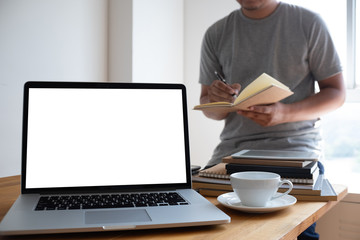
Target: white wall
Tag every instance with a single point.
(158, 34)
(120, 40)
(199, 15)
(45, 40)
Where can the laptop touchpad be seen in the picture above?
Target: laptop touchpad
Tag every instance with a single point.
(117, 216)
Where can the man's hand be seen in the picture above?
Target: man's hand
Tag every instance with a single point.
(221, 92)
(267, 115)
(218, 92)
(330, 97)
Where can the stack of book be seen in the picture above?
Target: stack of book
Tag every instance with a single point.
(300, 168)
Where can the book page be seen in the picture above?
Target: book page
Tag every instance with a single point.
(262, 82)
(216, 103)
(212, 105)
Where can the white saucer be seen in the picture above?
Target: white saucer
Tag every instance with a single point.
(231, 200)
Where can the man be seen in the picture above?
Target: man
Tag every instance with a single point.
(290, 44)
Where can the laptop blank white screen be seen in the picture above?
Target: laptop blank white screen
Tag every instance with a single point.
(104, 137)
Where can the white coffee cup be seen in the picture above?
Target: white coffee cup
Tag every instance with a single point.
(256, 189)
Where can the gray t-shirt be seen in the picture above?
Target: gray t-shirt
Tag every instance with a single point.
(292, 45)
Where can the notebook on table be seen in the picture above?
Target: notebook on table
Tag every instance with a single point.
(105, 157)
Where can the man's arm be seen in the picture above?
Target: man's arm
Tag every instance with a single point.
(330, 97)
(218, 92)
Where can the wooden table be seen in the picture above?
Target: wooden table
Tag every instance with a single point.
(284, 224)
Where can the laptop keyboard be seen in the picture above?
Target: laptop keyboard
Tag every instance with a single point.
(109, 201)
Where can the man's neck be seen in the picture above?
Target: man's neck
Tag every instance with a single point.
(260, 12)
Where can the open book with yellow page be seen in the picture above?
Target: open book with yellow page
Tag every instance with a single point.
(263, 90)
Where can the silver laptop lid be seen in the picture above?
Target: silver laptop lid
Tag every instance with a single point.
(101, 137)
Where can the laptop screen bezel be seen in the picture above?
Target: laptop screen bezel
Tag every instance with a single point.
(100, 189)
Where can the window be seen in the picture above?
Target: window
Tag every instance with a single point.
(357, 39)
(341, 127)
(342, 146)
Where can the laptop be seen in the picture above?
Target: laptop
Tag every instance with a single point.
(106, 157)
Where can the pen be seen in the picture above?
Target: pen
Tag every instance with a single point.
(221, 78)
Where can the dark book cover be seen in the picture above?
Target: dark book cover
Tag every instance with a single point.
(284, 172)
(248, 167)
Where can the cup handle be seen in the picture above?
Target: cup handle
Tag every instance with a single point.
(287, 192)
